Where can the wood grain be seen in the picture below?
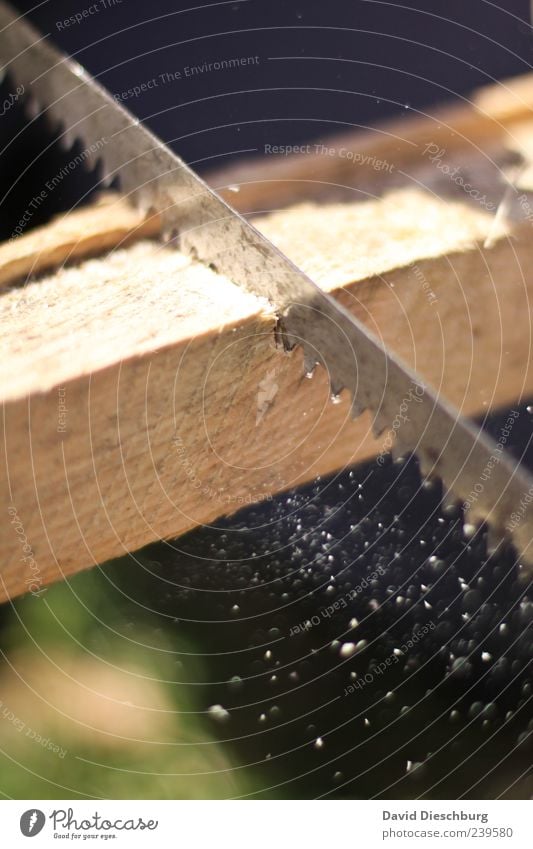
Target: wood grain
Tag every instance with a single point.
(483, 135)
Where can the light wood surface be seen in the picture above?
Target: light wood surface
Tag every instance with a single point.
(143, 394)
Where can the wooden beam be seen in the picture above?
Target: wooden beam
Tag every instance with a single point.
(143, 394)
(90, 230)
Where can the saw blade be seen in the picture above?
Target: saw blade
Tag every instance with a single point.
(205, 226)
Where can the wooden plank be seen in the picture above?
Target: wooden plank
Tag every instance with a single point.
(481, 136)
(90, 230)
(143, 394)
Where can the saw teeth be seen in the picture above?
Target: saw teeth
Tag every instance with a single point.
(32, 107)
(66, 141)
(450, 500)
(288, 341)
(335, 389)
(339, 341)
(310, 359)
(140, 198)
(170, 235)
(426, 464)
(106, 180)
(495, 538)
(397, 451)
(471, 519)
